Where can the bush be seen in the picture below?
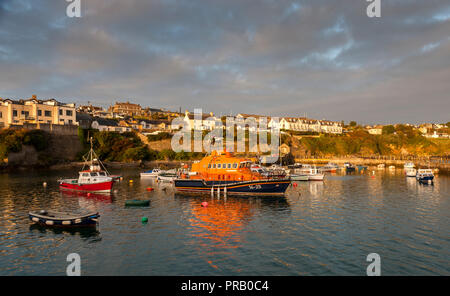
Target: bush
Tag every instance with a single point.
(159, 137)
(138, 153)
(36, 138)
(166, 154)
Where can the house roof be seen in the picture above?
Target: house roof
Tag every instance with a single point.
(105, 121)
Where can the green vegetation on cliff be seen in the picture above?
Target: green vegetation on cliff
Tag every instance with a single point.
(403, 140)
(12, 140)
(126, 147)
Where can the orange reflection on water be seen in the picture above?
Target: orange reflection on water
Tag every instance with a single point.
(221, 221)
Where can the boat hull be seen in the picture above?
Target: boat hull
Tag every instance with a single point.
(95, 187)
(73, 221)
(318, 177)
(257, 187)
(299, 177)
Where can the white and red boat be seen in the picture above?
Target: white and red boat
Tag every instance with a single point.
(94, 179)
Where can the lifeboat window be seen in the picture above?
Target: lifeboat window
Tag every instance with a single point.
(229, 165)
(234, 165)
(214, 166)
(93, 174)
(102, 174)
(85, 175)
(241, 165)
(219, 165)
(209, 166)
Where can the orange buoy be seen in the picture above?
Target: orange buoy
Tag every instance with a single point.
(295, 185)
(149, 189)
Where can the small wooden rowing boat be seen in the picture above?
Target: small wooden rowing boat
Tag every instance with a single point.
(54, 218)
(137, 203)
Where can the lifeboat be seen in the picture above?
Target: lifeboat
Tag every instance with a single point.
(223, 172)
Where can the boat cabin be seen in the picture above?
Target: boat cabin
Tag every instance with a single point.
(89, 177)
(224, 167)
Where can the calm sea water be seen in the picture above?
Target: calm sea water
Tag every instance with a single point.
(319, 228)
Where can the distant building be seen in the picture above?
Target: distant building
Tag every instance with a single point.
(155, 125)
(90, 109)
(103, 124)
(34, 111)
(207, 122)
(84, 120)
(127, 108)
(330, 127)
(375, 130)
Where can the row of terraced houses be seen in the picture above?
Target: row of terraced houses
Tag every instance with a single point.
(126, 116)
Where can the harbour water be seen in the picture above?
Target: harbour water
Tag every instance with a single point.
(319, 228)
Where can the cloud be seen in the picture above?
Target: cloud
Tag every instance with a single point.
(323, 58)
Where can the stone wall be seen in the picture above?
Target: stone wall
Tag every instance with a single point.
(61, 148)
(48, 127)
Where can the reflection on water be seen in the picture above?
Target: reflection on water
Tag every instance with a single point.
(83, 232)
(319, 228)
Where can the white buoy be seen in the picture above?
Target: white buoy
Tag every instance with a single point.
(218, 191)
(44, 184)
(225, 191)
(212, 190)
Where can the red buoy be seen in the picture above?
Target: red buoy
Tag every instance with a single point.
(89, 194)
(295, 185)
(204, 204)
(149, 189)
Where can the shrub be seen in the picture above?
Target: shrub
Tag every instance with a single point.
(137, 153)
(159, 137)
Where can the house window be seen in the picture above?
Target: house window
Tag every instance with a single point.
(14, 112)
(1, 115)
(60, 112)
(39, 112)
(68, 112)
(48, 113)
(70, 121)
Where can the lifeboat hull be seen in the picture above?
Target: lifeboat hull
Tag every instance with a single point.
(95, 187)
(257, 187)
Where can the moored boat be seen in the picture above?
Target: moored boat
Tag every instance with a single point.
(93, 179)
(411, 172)
(167, 177)
(425, 175)
(329, 167)
(349, 167)
(381, 166)
(312, 173)
(137, 202)
(297, 177)
(151, 173)
(222, 172)
(54, 218)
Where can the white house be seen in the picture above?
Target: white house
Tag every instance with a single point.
(103, 124)
(207, 122)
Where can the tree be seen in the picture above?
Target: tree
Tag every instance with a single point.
(388, 129)
(353, 123)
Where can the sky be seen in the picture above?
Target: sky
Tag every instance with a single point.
(325, 59)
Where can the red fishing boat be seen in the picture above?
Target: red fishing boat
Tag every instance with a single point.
(93, 177)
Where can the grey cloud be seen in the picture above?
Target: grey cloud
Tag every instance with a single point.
(323, 58)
